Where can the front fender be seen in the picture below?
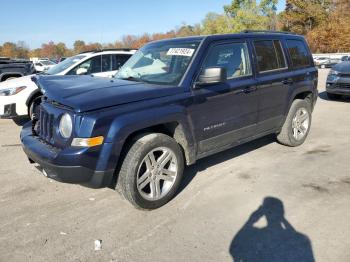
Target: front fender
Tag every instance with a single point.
(125, 125)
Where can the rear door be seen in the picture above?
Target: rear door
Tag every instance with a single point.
(106, 66)
(225, 113)
(274, 83)
(303, 72)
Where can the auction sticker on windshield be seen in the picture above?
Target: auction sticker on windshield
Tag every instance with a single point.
(180, 51)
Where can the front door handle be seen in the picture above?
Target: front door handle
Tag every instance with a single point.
(288, 81)
(250, 89)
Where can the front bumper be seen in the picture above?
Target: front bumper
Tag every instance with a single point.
(341, 86)
(48, 158)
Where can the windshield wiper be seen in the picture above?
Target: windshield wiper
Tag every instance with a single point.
(131, 78)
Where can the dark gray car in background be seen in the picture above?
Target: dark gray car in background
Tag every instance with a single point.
(338, 81)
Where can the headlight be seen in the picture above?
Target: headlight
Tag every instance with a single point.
(11, 91)
(333, 73)
(66, 126)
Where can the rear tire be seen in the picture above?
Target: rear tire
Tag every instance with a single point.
(297, 124)
(333, 96)
(151, 171)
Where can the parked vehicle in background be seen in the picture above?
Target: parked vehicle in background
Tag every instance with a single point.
(43, 65)
(11, 68)
(21, 96)
(319, 59)
(326, 62)
(338, 81)
(173, 102)
(345, 58)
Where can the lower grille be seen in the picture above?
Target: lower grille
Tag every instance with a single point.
(342, 85)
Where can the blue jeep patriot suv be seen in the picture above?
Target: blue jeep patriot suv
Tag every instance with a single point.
(173, 102)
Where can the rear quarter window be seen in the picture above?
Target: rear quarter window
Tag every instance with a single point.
(270, 56)
(299, 53)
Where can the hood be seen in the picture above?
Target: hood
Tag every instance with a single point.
(343, 67)
(86, 93)
(16, 82)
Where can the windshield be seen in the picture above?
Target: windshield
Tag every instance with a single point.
(159, 63)
(68, 62)
(47, 62)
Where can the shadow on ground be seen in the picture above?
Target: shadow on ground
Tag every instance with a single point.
(203, 164)
(344, 99)
(277, 241)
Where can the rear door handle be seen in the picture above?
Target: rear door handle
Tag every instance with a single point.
(250, 89)
(287, 81)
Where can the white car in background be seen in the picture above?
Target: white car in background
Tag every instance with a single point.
(43, 65)
(20, 96)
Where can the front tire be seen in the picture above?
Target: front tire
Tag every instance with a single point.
(151, 171)
(297, 124)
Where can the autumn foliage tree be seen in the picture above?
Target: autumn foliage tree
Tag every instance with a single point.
(302, 16)
(333, 35)
(325, 23)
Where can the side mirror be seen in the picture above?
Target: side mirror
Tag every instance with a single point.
(212, 75)
(81, 71)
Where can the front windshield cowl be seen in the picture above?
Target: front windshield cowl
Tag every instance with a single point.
(163, 63)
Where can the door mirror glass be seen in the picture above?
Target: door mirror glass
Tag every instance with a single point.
(212, 75)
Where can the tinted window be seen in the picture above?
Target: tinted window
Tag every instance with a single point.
(92, 65)
(106, 63)
(118, 61)
(269, 55)
(298, 53)
(234, 57)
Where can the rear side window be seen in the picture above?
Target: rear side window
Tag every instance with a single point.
(119, 60)
(298, 53)
(234, 57)
(106, 63)
(270, 55)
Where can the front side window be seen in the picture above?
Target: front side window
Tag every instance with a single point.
(233, 57)
(162, 62)
(269, 55)
(298, 53)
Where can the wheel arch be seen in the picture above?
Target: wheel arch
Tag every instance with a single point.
(174, 129)
(170, 120)
(36, 93)
(6, 75)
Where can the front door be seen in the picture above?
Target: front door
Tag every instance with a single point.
(225, 113)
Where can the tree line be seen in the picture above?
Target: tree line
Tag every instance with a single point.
(324, 23)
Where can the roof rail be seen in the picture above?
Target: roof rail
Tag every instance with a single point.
(267, 32)
(108, 49)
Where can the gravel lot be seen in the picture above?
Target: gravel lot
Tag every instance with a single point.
(214, 216)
